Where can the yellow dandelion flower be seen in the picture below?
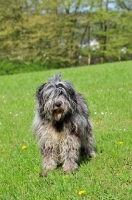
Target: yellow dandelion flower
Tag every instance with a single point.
(24, 147)
(120, 142)
(81, 192)
(66, 176)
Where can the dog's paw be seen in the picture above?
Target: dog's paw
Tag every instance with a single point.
(92, 154)
(69, 167)
(43, 174)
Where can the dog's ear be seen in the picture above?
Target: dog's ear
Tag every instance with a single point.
(39, 94)
(73, 99)
(72, 96)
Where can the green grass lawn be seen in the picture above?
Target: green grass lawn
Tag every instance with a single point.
(108, 91)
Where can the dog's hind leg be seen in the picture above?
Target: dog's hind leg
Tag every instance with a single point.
(70, 150)
(88, 142)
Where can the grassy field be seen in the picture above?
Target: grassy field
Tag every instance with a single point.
(108, 91)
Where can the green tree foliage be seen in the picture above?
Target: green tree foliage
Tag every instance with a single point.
(60, 32)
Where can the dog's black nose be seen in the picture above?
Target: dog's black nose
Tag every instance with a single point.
(58, 104)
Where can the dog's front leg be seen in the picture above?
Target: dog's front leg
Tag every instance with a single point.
(70, 150)
(49, 159)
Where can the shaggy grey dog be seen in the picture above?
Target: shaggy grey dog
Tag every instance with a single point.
(62, 125)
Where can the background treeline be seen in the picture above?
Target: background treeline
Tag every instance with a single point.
(62, 33)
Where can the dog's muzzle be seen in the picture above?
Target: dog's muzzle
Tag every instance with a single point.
(58, 110)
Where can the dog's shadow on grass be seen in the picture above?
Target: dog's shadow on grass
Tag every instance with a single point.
(84, 160)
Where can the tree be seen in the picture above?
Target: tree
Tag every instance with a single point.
(126, 5)
(60, 32)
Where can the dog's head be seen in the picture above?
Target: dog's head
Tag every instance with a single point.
(56, 99)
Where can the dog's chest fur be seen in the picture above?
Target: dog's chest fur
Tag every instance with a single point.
(52, 131)
(56, 131)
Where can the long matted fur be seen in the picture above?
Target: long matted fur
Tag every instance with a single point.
(62, 125)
